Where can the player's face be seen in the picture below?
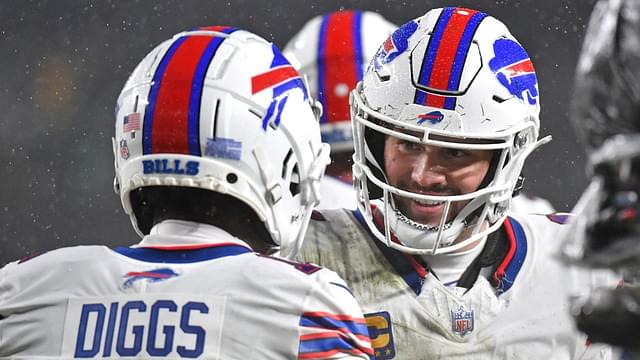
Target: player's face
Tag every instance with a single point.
(432, 170)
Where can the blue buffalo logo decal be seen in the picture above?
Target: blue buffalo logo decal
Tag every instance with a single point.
(150, 276)
(434, 117)
(514, 70)
(395, 44)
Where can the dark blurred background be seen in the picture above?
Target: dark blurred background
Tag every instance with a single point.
(64, 63)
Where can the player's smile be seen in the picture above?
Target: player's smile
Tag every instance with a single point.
(432, 170)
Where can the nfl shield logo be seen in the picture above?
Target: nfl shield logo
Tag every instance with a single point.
(462, 321)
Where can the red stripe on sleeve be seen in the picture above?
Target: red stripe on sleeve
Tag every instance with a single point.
(328, 354)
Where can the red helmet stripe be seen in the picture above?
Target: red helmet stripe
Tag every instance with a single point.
(445, 56)
(173, 114)
(446, 52)
(339, 62)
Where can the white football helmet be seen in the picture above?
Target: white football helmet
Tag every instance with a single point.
(453, 78)
(221, 109)
(332, 52)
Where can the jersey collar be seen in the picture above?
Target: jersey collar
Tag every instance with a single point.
(177, 241)
(411, 268)
(187, 235)
(508, 269)
(509, 258)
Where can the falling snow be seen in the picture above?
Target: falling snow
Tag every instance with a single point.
(65, 62)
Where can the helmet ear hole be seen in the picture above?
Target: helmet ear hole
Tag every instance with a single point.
(232, 178)
(291, 173)
(294, 185)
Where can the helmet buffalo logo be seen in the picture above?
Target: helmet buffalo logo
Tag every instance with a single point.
(281, 77)
(514, 70)
(395, 44)
(434, 117)
(150, 276)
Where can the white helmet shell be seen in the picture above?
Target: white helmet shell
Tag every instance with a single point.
(332, 52)
(221, 109)
(453, 78)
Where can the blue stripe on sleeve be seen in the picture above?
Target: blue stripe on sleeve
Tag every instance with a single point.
(325, 344)
(333, 324)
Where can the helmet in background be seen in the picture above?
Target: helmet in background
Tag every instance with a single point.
(332, 51)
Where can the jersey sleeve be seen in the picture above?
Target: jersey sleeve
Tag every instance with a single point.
(332, 325)
(7, 287)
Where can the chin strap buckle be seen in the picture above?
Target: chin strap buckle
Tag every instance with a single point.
(519, 186)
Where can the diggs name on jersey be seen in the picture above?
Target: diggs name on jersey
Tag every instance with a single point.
(179, 326)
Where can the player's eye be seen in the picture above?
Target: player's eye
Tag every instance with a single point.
(409, 146)
(456, 153)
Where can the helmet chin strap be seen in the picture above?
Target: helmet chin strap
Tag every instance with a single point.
(422, 236)
(403, 218)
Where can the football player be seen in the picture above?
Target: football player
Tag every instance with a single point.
(218, 159)
(605, 114)
(332, 52)
(443, 122)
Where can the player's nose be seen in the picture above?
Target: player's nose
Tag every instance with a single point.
(427, 171)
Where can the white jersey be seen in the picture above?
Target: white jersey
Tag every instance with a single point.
(530, 204)
(336, 194)
(520, 310)
(186, 291)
